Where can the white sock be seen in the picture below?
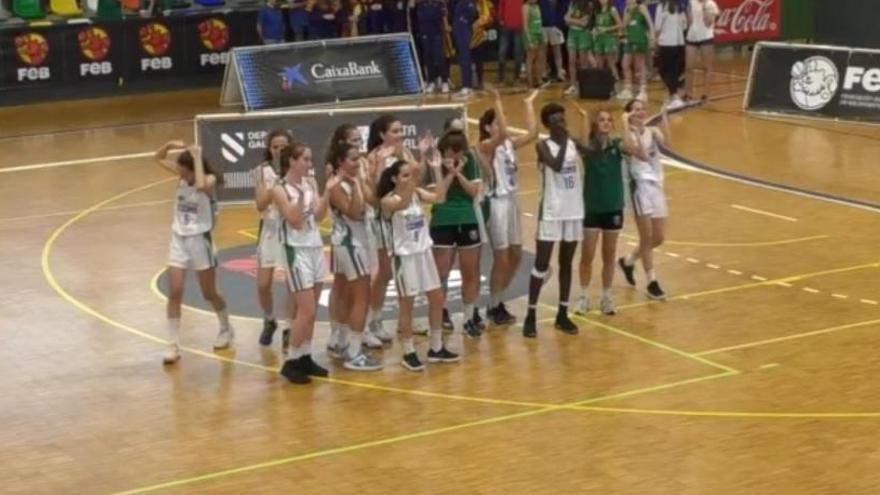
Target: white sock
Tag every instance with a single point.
(606, 293)
(436, 336)
(344, 332)
(173, 325)
(468, 311)
(369, 316)
(585, 292)
(629, 260)
(494, 300)
(306, 347)
(408, 346)
(652, 276)
(268, 315)
(223, 318)
(354, 344)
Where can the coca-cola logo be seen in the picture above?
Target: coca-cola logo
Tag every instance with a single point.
(747, 19)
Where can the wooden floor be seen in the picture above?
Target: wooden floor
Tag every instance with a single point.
(757, 376)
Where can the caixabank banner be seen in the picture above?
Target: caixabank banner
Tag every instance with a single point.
(815, 81)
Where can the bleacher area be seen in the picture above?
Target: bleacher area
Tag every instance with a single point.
(15, 13)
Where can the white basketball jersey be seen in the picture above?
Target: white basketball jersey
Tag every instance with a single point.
(562, 193)
(308, 236)
(652, 169)
(409, 229)
(348, 232)
(270, 179)
(504, 164)
(194, 211)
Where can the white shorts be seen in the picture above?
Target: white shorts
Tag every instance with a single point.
(505, 225)
(379, 234)
(270, 249)
(305, 267)
(194, 252)
(351, 261)
(649, 199)
(560, 230)
(415, 274)
(553, 35)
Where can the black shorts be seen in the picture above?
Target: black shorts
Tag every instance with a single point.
(710, 41)
(612, 220)
(460, 236)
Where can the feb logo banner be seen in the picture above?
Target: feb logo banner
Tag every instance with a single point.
(748, 20)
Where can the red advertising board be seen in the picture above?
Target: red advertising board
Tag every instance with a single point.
(748, 20)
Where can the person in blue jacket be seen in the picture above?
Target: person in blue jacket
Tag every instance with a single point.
(464, 15)
(430, 24)
(324, 23)
(270, 23)
(299, 20)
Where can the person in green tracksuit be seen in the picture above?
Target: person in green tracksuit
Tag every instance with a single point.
(603, 206)
(639, 30)
(579, 18)
(605, 43)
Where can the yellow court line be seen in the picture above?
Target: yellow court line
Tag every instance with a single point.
(739, 244)
(737, 414)
(789, 337)
(74, 212)
(579, 405)
(247, 233)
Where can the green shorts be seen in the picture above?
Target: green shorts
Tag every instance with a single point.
(533, 40)
(605, 44)
(638, 46)
(580, 40)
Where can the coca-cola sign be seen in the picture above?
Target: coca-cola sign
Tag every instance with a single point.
(748, 20)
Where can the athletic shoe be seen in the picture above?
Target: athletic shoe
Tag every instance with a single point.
(607, 306)
(626, 94)
(419, 329)
(447, 321)
(411, 362)
(371, 341)
(628, 271)
(565, 325)
(224, 338)
(172, 354)
(675, 103)
(294, 372)
(378, 329)
(269, 327)
(478, 320)
(362, 362)
(464, 93)
(472, 330)
(338, 351)
(285, 341)
(500, 316)
(443, 356)
(571, 91)
(583, 306)
(312, 368)
(444, 88)
(430, 88)
(530, 329)
(643, 95)
(655, 292)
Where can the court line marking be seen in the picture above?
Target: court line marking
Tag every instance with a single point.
(737, 414)
(74, 212)
(763, 212)
(737, 244)
(83, 161)
(785, 338)
(581, 405)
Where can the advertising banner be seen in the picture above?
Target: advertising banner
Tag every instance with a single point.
(235, 143)
(748, 20)
(31, 57)
(815, 81)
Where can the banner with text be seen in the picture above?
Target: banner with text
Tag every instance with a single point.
(235, 143)
(748, 20)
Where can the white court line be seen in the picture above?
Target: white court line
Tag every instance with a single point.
(734, 272)
(714, 267)
(811, 290)
(83, 161)
(762, 212)
(759, 278)
(868, 301)
(839, 296)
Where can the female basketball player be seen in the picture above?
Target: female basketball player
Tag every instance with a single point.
(560, 213)
(605, 37)
(580, 18)
(269, 250)
(350, 257)
(603, 206)
(700, 44)
(191, 246)
(415, 271)
(645, 175)
(639, 38)
(503, 225)
(299, 203)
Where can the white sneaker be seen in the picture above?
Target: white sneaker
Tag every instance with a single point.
(583, 306)
(430, 88)
(571, 91)
(607, 306)
(625, 94)
(561, 74)
(643, 95)
(675, 103)
(362, 362)
(444, 88)
(172, 354)
(337, 351)
(384, 335)
(464, 93)
(224, 338)
(371, 341)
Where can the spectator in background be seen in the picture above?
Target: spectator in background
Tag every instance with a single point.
(399, 16)
(374, 17)
(464, 16)
(700, 51)
(510, 33)
(299, 19)
(670, 24)
(431, 23)
(534, 40)
(349, 16)
(270, 23)
(485, 19)
(324, 23)
(553, 18)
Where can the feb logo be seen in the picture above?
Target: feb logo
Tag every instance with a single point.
(32, 48)
(94, 43)
(155, 39)
(814, 83)
(214, 34)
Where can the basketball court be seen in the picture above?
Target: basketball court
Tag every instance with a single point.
(755, 376)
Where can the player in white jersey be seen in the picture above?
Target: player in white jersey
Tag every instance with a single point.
(560, 214)
(503, 224)
(350, 259)
(415, 271)
(302, 209)
(191, 246)
(269, 249)
(645, 176)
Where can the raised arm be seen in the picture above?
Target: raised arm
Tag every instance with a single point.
(167, 162)
(203, 182)
(488, 146)
(647, 14)
(438, 194)
(531, 123)
(262, 190)
(395, 202)
(631, 144)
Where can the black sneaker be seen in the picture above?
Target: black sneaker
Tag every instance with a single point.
(312, 368)
(478, 320)
(530, 328)
(447, 321)
(472, 330)
(655, 292)
(285, 340)
(565, 325)
(411, 362)
(294, 372)
(444, 355)
(269, 327)
(500, 316)
(628, 271)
